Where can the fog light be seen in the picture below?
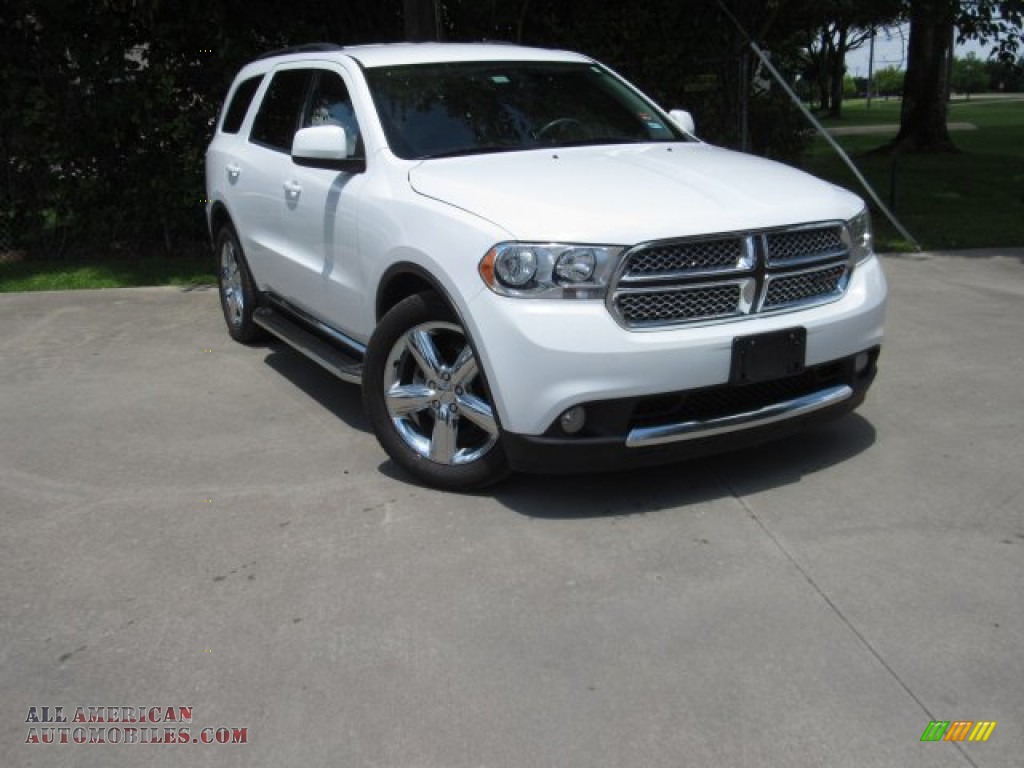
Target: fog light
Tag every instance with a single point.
(572, 421)
(861, 362)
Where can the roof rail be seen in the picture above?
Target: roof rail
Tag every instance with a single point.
(304, 48)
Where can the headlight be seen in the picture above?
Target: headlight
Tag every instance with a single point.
(861, 239)
(517, 267)
(549, 270)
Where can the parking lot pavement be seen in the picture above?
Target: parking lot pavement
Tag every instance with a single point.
(188, 522)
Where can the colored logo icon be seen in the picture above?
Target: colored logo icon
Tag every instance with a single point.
(958, 730)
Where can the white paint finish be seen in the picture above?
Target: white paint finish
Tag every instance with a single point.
(629, 194)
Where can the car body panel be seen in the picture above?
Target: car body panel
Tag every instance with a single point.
(628, 194)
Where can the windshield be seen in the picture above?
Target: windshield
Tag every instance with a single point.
(444, 110)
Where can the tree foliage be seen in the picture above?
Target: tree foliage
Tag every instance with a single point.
(1005, 76)
(108, 105)
(889, 81)
(969, 75)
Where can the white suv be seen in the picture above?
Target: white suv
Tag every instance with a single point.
(529, 265)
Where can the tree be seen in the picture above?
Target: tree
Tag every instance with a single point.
(107, 107)
(889, 81)
(932, 23)
(421, 21)
(1005, 77)
(923, 116)
(842, 26)
(969, 75)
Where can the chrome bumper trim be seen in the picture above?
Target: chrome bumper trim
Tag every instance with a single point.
(769, 414)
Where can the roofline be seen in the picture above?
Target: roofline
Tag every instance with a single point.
(385, 54)
(304, 48)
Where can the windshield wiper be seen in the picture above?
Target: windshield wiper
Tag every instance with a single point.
(599, 142)
(482, 149)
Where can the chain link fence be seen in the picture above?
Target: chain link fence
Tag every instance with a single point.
(7, 243)
(6, 236)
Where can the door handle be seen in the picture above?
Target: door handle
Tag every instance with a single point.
(233, 171)
(292, 188)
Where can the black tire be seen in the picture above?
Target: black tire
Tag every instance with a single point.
(427, 399)
(238, 295)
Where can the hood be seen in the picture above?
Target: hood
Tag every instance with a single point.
(624, 195)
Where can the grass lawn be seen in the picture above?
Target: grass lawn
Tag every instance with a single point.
(974, 199)
(69, 275)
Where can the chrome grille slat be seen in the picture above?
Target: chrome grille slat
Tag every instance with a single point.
(724, 277)
(681, 304)
(788, 290)
(679, 259)
(802, 245)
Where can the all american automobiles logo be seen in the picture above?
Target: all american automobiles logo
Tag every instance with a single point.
(124, 725)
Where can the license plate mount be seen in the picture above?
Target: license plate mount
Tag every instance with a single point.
(768, 356)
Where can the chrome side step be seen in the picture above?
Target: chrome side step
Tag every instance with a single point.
(336, 361)
(787, 409)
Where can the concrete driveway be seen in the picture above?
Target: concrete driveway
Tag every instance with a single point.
(187, 522)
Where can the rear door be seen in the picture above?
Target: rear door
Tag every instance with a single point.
(227, 153)
(276, 263)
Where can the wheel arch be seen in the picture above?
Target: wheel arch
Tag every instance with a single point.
(219, 216)
(404, 279)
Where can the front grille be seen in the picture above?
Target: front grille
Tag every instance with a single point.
(682, 257)
(788, 290)
(707, 279)
(804, 245)
(660, 307)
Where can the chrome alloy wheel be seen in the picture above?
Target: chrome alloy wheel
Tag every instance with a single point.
(435, 395)
(231, 283)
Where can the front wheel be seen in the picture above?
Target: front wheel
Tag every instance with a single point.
(427, 398)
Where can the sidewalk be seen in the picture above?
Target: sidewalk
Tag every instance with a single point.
(864, 130)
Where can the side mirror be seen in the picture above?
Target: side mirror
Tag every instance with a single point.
(684, 120)
(325, 146)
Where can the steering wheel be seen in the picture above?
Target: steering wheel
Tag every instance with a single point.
(560, 124)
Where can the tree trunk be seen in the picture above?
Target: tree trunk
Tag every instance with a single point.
(824, 70)
(838, 74)
(923, 118)
(522, 21)
(420, 20)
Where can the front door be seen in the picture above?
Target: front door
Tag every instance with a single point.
(320, 214)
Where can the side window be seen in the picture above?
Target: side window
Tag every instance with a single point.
(331, 105)
(239, 106)
(278, 118)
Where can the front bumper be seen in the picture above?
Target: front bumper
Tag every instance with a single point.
(646, 431)
(543, 357)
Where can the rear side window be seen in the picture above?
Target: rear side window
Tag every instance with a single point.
(278, 119)
(239, 105)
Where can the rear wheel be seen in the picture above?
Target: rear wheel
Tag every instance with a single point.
(238, 294)
(428, 400)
